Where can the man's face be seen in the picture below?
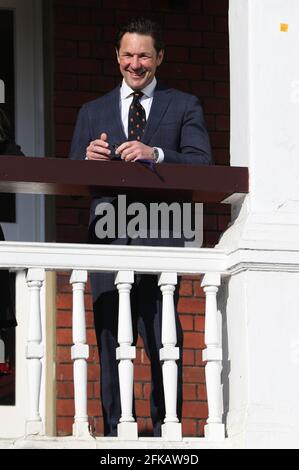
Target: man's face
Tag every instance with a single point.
(138, 60)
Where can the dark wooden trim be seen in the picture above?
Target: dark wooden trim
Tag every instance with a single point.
(57, 176)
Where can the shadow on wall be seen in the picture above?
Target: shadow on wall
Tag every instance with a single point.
(226, 366)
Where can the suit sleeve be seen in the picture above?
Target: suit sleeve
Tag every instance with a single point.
(194, 142)
(81, 136)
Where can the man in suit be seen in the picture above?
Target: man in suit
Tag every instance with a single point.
(159, 125)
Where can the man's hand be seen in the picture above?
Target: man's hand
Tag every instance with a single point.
(133, 151)
(98, 149)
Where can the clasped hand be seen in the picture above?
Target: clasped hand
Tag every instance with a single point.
(130, 151)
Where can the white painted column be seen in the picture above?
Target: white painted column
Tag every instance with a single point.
(214, 430)
(80, 354)
(34, 351)
(125, 353)
(260, 300)
(264, 132)
(169, 354)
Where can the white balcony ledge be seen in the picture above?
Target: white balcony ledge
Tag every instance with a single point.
(227, 272)
(112, 443)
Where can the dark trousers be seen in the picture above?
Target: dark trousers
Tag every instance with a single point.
(146, 306)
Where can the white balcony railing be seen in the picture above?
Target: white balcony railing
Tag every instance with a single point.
(36, 258)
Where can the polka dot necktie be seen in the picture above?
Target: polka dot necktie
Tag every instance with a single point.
(137, 118)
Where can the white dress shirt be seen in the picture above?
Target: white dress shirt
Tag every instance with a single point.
(146, 100)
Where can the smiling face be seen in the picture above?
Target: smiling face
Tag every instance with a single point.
(138, 60)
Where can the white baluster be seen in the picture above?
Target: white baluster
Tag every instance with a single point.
(34, 350)
(125, 353)
(169, 354)
(214, 430)
(79, 354)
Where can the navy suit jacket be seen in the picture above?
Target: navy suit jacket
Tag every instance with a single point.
(175, 124)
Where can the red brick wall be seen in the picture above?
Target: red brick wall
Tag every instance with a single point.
(196, 61)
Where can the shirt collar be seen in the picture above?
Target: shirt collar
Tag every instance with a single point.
(126, 91)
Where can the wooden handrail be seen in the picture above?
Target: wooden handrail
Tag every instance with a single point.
(61, 176)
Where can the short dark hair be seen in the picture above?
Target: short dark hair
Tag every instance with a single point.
(144, 26)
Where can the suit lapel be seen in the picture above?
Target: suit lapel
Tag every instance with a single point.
(115, 123)
(161, 100)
